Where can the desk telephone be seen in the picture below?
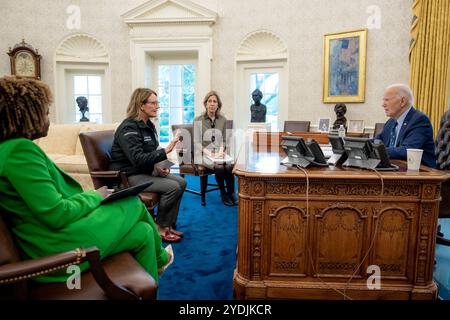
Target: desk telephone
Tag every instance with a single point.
(367, 154)
(302, 153)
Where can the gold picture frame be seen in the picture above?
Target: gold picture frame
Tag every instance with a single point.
(344, 71)
(355, 126)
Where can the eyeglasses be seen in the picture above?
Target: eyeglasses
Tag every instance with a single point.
(153, 103)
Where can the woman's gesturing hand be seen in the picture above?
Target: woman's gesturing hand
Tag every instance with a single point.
(172, 144)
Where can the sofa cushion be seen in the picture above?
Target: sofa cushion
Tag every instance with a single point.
(61, 139)
(55, 156)
(94, 127)
(73, 164)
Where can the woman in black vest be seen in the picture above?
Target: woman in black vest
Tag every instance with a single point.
(136, 150)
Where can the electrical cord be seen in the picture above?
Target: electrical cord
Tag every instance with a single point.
(308, 246)
(344, 292)
(372, 242)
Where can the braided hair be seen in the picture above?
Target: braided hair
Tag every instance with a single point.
(24, 105)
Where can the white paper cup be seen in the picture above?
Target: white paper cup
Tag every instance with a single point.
(414, 158)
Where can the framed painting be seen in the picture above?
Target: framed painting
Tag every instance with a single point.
(324, 125)
(355, 126)
(344, 66)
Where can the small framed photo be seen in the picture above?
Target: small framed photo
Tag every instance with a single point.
(355, 126)
(324, 124)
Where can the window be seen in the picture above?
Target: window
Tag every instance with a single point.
(176, 95)
(89, 86)
(268, 83)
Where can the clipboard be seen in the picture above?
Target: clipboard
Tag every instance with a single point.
(128, 192)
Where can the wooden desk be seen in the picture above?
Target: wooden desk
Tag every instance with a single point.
(291, 248)
(357, 135)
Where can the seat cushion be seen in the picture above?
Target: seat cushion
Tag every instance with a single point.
(73, 164)
(121, 268)
(56, 156)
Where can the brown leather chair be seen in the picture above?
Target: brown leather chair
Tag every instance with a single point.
(378, 128)
(296, 126)
(187, 165)
(97, 150)
(117, 277)
(442, 151)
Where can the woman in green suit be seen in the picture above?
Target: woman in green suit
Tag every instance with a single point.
(48, 210)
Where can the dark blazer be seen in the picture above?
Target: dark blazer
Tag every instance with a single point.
(135, 147)
(416, 133)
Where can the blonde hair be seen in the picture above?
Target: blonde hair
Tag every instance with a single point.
(138, 98)
(24, 104)
(219, 102)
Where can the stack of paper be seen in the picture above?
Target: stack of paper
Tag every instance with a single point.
(223, 159)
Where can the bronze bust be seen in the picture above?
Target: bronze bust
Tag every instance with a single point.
(340, 109)
(258, 109)
(82, 103)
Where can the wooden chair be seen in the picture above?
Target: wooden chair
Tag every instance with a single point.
(187, 165)
(97, 150)
(378, 128)
(296, 126)
(117, 277)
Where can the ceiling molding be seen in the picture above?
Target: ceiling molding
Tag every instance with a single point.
(169, 11)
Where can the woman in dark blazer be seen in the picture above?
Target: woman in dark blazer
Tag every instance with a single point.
(136, 150)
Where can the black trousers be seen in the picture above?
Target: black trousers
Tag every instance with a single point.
(224, 175)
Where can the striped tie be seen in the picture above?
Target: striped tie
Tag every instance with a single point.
(393, 136)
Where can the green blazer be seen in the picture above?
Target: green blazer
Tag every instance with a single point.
(50, 213)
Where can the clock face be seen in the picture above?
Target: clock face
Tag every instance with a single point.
(25, 66)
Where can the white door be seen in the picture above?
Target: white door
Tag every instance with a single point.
(176, 87)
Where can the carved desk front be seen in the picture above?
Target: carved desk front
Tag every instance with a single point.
(331, 243)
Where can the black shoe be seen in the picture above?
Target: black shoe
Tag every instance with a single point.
(226, 200)
(233, 198)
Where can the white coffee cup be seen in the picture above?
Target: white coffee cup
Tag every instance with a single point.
(414, 158)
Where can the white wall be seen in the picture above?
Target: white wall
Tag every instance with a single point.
(301, 24)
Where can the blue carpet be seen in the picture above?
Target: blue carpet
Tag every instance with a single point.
(442, 268)
(206, 257)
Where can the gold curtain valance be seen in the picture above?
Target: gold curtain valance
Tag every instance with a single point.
(430, 57)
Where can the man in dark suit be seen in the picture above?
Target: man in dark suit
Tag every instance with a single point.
(407, 128)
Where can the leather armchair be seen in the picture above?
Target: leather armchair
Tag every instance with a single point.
(116, 277)
(442, 151)
(296, 126)
(97, 150)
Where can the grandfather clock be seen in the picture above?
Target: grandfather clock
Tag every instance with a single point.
(25, 61)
